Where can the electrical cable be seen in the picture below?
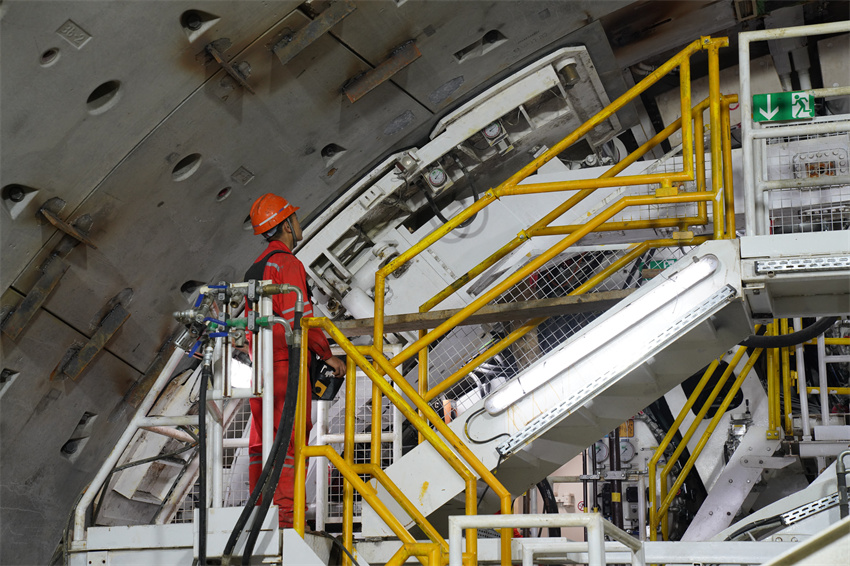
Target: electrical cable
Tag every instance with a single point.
(495, 471)
(776, 520)
(338, 542)
(475, 440)
(786, 340)
(474, 192)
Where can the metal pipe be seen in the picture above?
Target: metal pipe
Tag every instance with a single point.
(841, 480)
(366, 491)
(535, 264)
(256, 366)
(266, 354)
(786, 380)
(802, 390)
(772, 390)
(803, 130)
(415, 419)
(616, 485)
(322, 464)
(728, 179)
(584, 486)
(716, 138)
(348, 455)
(597, 528)
(79, 533)
(300, 434)
(543, 224)
(176, 420)
(227, 356)
(677, 485)
(215, 431)
(668, 438)
(746, 104)
(170, 432)
(642, 507)
(822, 382)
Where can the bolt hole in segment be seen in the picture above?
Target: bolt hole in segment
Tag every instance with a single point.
(104, 97)
(186, 167)
(223, 193)
(49, 57)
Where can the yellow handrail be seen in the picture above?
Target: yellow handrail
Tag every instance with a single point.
(634, 252)
(654, 515)
(677, 485)
(418, 412)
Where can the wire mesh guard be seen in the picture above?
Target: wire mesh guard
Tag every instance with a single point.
(816, 157)
(362, 450)
(235, 476)
(555, 279)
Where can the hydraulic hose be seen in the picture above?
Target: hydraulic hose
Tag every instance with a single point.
(206, 374)
(282, 439)
(786, 340)
(267, 475)
(550, 504)
(264, 475)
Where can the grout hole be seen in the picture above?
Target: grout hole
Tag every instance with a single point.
(104, 97)
(186, 167)
(7, 377)
(489, 41)
(49, 57)
(189, 287)
(223, 193)
(80, 436)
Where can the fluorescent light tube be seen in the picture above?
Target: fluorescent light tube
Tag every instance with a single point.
(585, 343)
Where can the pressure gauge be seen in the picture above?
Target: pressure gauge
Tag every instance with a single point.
(627, 451)
(437, 177)
(493, 131)
(600, 452)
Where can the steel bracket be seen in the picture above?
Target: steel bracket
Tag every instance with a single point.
(357, 87)
(82, 358)
(231, 70)
(292, 44)
(14, 324)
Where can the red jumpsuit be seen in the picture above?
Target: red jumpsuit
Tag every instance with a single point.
(282, 268)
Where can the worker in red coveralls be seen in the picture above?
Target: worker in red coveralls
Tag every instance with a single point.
(274, 217)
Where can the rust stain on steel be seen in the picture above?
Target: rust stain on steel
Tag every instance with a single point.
(292, 44)
(67, 228)
(96, 343)
(422, 492)
(228, 68)
(53, 272)
(401, 57)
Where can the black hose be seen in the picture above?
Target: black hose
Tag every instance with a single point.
(284, 431)
(776, 520)
(206, 374)
(258, 489)
(786, 340)
(550, 504)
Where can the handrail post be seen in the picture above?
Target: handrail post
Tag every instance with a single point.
(79, 532)
(348, 455)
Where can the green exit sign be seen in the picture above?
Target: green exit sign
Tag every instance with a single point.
(779, 106)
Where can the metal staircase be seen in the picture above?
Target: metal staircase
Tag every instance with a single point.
(642, 347)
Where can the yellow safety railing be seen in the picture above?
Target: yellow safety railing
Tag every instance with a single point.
(421, 415)
(658, 513)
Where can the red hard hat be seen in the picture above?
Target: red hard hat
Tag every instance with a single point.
(268, 211)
